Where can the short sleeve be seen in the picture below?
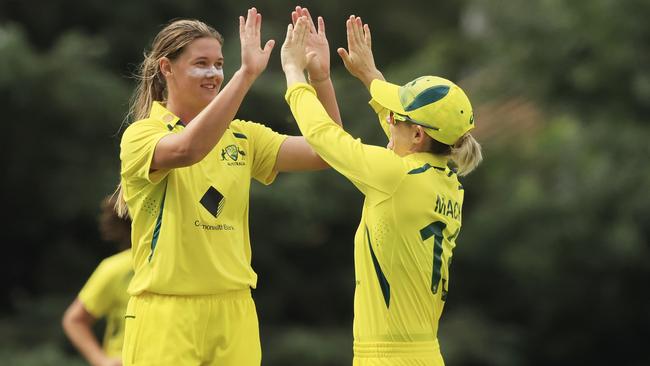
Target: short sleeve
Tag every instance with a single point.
(137, 148)
(96, 293)
(265, 145)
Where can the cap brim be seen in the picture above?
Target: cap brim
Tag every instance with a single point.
(387, 95)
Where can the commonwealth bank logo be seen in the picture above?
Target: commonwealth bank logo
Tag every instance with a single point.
(213, 201)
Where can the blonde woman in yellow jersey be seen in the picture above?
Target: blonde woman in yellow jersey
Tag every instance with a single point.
(103, 296)
(186, 167)
(412, 210)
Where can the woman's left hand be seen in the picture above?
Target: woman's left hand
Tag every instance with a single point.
(316, 42)
(294, 56)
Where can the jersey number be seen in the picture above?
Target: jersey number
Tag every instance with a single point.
(435, 229)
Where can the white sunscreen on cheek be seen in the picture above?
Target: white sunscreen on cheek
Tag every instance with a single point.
(205, 72)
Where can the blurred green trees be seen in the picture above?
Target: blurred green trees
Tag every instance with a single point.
(552, 263)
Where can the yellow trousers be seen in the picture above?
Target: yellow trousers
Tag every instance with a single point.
(164, 330)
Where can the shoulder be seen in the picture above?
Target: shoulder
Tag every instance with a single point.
(147, 124)
(248, 130)
(242, 126)
(116, 264)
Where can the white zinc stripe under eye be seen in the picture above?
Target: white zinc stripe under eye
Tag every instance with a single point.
(205, 72)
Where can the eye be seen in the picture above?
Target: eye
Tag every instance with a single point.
(219, 65)
(201, 63)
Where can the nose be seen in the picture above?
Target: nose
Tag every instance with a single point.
(213, 71)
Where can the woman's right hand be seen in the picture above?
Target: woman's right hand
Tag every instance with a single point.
(253, 58)
(316, 42)
(294, 55)
(358, 59)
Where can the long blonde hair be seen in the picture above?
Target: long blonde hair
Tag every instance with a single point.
(466, 154)
(170, 42)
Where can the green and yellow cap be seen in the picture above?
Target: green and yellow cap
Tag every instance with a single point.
(436, 104)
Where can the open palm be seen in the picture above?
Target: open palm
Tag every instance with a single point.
(316, 43)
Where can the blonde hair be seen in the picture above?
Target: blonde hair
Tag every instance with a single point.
(466, 154)
(170, 42)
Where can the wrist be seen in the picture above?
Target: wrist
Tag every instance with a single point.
(316, 79)
(247, 74)
(367, 78)
(294, 75)
(98, 360)
(292, 68)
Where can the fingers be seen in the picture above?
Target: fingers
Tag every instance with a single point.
(300, 30)
(289, 37)
(295, 15)
(251, 18)
(296, 34)
(358, 34)
(268, 47)
(366, 29)
(344, 55)
(310, 21)
(241, 25)
(321, 26)
(258, 24)
(358, 29)
(348, 33)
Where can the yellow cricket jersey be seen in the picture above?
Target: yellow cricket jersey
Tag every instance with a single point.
(411, 217)
(104, 295)
(190, 225)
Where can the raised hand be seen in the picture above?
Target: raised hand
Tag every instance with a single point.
(316, 42)
(294, 56)
(358, 59)
(253, 58)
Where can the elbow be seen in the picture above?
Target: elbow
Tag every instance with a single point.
(320, 163)
(188, 155)
(191, 157)
(67, 320)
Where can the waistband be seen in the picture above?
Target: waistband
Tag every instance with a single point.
(229, 295)
(396, 349)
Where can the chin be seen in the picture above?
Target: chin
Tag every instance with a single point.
(206, 98)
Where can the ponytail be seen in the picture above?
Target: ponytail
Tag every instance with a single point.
(466, 154)
(120, 207)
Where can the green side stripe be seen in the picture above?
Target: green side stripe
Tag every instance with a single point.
(156, 230)
(240, 135)
(424, 168)
(421, 169)
(383, 282)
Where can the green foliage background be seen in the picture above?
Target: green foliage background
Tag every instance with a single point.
(553, 261)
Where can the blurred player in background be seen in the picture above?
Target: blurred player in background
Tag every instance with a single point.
(413, 199)
(104, 295)
(186, 168)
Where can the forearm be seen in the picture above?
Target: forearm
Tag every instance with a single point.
(207, 128)
(317, 127)
(83, 339)
(327, 96)
(370, 75)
